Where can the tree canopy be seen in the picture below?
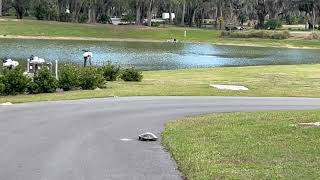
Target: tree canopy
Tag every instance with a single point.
(188, 12)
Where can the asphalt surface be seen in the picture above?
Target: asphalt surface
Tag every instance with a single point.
(81, 140)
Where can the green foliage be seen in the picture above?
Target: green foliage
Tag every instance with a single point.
(83, 18)
(294, 20)
(90, 78)
(32, 88)
(13, 82)
(46, 10)
(131, 75)
(153, 24)
(243, 18)
(46, 82)
(65, 17)
(273, 24)
(128, 18)
(110, 72)
(104, 19)
(257, 34)
(69, 77)
(2, 88)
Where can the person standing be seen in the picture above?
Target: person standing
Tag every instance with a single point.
(87, 57)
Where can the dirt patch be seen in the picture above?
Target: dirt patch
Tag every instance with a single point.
(308, 125)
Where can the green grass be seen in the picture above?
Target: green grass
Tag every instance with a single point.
(288, 81)
(261, 145)
(57, 29)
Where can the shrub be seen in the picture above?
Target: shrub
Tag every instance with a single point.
(128, 18)
(40, 12)
(14, 82)
(225, 33)
(83, 18)
(47, 10)
(69, 77)
(46, 82)
(90, 78)
(32, 88)
(110, 72)
(2, 88)
(65, 17)
(273, 24)
(153, 24)
(131, 75)
(313, 36)
(104, 19)
(257, 34)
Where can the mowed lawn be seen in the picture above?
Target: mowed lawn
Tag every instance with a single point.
(58, 29)
(287, 80)
(260, 145)
(12, 27)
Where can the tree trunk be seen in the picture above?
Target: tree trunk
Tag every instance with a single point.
(138, 12)
(149, 13)
(193, 17)
(170, 14)
(183, 12)
(261, 11)
(20, 13)
(202, 18)
(0, 7)
(92, 14)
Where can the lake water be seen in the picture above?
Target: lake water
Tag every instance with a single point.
(156, 56)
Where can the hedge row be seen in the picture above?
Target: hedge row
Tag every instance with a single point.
(257, 34)
(72, 77)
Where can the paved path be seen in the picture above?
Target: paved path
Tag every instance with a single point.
(80, 140)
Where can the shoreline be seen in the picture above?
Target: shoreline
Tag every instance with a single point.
(57, 38)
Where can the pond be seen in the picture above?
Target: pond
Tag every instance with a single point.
(156, 56)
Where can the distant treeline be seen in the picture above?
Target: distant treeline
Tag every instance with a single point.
(187, 12)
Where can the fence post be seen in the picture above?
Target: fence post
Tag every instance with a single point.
(57, 77)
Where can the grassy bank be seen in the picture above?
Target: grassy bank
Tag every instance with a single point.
(11, 28)
(292, 80)
(57, 29)
(261, 145)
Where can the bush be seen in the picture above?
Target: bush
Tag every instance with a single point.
(65, 17)
(46, 10)
(128, 18)
(153, 24)
(13, 82)
(40, 12)
(110, 72)
(257, 34)
(273, 24)
(131, 75)
(313, 36)
(104, 19)
(90, 78)
(2, 88)
(69, 77)
(83, 18)
(32, 88)
(46, 82)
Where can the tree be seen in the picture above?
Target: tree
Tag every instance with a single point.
(0, 7)
(20, 7)
(261, 12)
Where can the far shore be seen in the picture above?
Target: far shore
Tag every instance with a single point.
(145, 40)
